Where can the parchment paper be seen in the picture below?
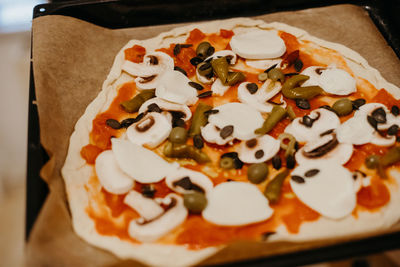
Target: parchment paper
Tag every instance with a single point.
(71, 59)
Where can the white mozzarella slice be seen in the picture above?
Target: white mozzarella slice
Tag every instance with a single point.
(258, 44)
(174, 87)
(340, 154)
(147, 208)
(110, 176)
(314, 72)
(337, 82)
(263, 63)
(259, 99)
(236, 203)
(168, 106)
(211, 134)
(142, 164)
(244, 119)
(223, 53)
(327, 120)
(203, 79)
(248, 150)
(151, 130)
(332, 80)
(355, 131)
(185, 180)
(148, 72)
(218, 88)
(150, 231)
(330, 192)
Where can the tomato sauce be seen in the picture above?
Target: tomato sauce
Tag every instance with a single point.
(195, 232)
(373, 196)
(135, 53)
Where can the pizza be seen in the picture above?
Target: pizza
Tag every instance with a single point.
(233, 130)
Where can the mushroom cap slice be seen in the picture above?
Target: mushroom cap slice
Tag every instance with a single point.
(327, 120)
(185, 181)
(147, 208)
(167, 106)
(148, 73)
(339, 154)
(236, 203)
(151, 130)
(266, 143)
(153, 230)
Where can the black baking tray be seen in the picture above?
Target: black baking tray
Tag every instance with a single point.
(116, 14)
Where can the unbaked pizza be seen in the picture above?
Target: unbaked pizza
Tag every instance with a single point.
(233, 130)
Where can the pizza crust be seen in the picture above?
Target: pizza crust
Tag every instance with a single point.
(77, 173)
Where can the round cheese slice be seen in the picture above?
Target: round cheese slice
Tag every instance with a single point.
(236, 203)
(174, 87)
(258, 44)
(142, 164)
(329, 191)
(110, 176)
(244, 119)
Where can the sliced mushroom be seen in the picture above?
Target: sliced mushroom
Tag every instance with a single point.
(147, 208)
(259, 149)
(151, 130)
(211, 133)
(185, 181)
(258, 100)
(358, 130)
(110, 176)
(325, 148)
(390, 118)
(167, 106)
(218, 88)
(149, 71)
(151, 230)
(327, 120)
(203, 79)
(230, 56)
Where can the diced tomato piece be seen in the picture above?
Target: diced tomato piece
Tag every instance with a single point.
(135, 53)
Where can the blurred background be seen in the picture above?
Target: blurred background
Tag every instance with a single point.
(15, 27)
(15, 36)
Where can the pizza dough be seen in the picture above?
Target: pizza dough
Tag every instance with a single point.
(77, 173)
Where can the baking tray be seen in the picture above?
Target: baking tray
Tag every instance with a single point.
(116, 14)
